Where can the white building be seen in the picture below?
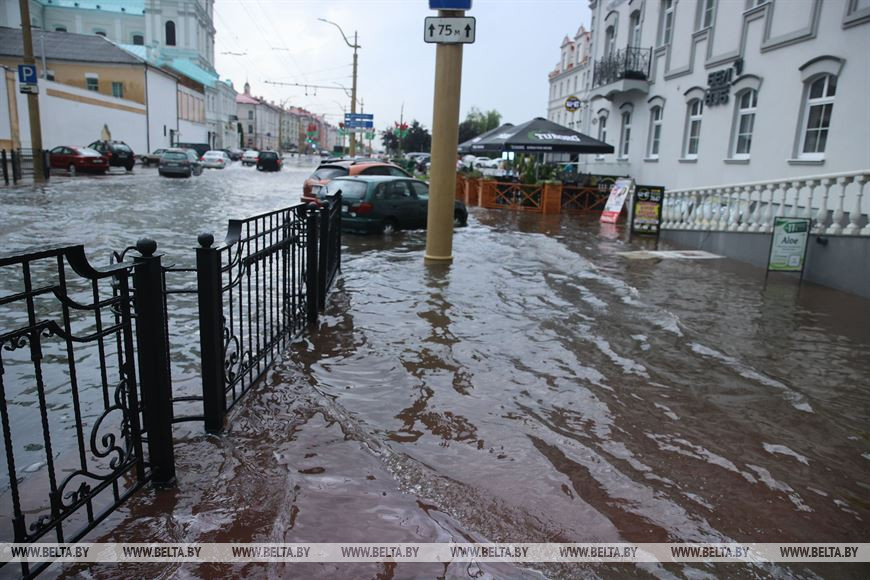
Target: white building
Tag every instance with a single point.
(715, 92)
(569, 82)
(260, 121)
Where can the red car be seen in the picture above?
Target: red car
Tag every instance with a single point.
(78, 159)
(329, 170)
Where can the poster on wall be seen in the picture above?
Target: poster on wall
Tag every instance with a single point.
(788, 244)
(646, 209)
(621, 189)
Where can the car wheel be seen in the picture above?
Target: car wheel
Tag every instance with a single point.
(390, 226)
(460, 218)
(129, 166)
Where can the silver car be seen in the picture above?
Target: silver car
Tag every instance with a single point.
(215, 160)
(179, 163)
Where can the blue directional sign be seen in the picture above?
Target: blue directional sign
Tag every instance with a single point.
(358, 117)
(27, 74)
(450, 4)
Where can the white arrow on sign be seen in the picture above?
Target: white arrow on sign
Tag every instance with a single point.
(449, 30)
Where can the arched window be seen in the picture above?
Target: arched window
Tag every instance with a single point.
(655, 132)
(744, 123)
(170, 33)
(602, 128)
(138, 39)
(60, 28)
(625, 134)
(695, 110)
(609, 41)
(99, 32)
(634, 29)
(666, 24)
(818, 107)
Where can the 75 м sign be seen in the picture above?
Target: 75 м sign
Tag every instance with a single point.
(449, 30)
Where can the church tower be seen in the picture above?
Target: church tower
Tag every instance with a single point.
(181, 29)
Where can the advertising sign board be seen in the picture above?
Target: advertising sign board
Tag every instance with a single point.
(646, 209)
(788, 244)
(621, 189)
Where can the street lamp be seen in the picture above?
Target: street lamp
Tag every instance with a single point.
(354, 46)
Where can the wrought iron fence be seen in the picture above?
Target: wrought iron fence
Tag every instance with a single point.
(86, 387)
(75, 412)
(627, 63)
(18, 163)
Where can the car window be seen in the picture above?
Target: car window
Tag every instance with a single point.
(376, 170)
(393, 190)
(174, 156)
(420, 189)
(122, 147)
(350, 189)
(268, 155)
(396, 172)
(328, 173)
(57, 150)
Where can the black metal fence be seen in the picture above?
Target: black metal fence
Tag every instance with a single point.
(16, 164)
(86, 390)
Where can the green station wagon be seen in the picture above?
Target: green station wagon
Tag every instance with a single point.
(385, 203)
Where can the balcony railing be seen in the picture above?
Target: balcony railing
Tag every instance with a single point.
(627, 63)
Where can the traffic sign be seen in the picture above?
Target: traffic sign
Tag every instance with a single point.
(27, 74)
(359, 117)
(449, 30)
(450, 4)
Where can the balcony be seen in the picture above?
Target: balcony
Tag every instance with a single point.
(623, 71)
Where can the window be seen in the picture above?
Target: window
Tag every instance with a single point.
(250, 114)
(602, 128)
(693, 129)
(625, 136)
(92, 84)
(634, 29)
(138, 39)
(250, 128)
(60, 28)
(118, 90)
(817, 116)
(170, 33)
(708, 11)
(609, 41)
(744, 122)
(655, 132)
(667, 22)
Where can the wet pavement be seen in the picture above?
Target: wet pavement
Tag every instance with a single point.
(540, 389)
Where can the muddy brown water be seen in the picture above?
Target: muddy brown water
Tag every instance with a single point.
(539, 389)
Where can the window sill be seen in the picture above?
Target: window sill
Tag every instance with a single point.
(688, 159)
(737, 161)
(651, 159)
(806, 161)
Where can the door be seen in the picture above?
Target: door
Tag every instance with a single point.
(421, 193)
(398, 201)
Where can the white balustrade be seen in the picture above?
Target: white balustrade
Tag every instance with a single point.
(758, 214)
(767, 226)
(746, 215)
(822, 215)
(734, 214)
(808, 209)
(853, 229)
(836, 226)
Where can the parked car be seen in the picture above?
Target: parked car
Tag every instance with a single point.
(269, 161)
(118, 153)
(233, 153)
(344, 168)
(250, 157)
(198, 148)
(78, 159)
(372, 204)
(485, 163)
(215, 159)
(152, 158)
(179, 163)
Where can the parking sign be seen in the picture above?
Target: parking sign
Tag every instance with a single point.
(27, 74)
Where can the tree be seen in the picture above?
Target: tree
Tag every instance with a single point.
(417, 139)
(477, 122)
(390, 141)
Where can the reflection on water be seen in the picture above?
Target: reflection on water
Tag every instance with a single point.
(541, 388)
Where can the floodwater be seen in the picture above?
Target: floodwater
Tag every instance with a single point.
(540, 389)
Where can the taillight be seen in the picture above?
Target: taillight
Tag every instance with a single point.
(362, 208)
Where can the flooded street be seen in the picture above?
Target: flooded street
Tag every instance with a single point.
(542, 388)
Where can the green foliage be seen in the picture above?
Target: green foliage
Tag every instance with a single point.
(478, 122)
(531, 170)
(415, 138)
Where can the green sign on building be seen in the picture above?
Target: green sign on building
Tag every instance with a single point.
(788, 245)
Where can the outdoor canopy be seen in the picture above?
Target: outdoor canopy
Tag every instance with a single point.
(466, 146)
(539, 135)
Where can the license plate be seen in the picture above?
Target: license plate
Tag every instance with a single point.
(96, 161)
(173, 165)
(344, 209)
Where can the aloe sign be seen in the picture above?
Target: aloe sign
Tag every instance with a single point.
(788, 246)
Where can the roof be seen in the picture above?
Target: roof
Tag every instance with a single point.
(65, 46)
(246, 99)
(129, 6)
(182, 66)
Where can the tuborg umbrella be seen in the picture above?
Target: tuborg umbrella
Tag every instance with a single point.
(466, 146)
(540, 135)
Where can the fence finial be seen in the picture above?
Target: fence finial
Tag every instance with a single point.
(205, 240)
(146, 247)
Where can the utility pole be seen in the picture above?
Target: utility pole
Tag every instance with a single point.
(355, 46)
(445, 135)
(32, 99)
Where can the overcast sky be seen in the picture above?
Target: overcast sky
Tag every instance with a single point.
(282, 40)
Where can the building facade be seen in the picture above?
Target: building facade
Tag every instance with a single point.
(710, 92)
(260, 120)
(569, 82)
